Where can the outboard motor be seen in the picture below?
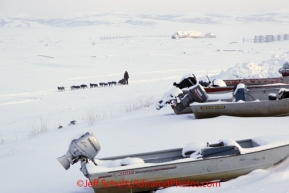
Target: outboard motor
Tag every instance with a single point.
(85, 148)
(196, 94)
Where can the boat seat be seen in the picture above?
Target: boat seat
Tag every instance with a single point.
(131, 161)
(282, 94)
(272, 96)
(191, 148)
(220, 151)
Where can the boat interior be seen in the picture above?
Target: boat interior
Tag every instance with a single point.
(212, 150)
(247, 94)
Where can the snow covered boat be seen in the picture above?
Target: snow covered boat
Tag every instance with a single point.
(189, 90)
(274, 105)
(193, 165)
(222, 95)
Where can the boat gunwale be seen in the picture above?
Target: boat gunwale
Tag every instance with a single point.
(236, 102)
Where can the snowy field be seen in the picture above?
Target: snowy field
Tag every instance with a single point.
(39, 55)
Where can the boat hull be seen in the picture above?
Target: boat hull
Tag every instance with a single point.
(218, 168)
(266, 108)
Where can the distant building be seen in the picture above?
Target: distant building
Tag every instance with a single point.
(191, 34)
(187, 34)
(210, 35)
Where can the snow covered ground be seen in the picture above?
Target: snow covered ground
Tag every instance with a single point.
(38, 55)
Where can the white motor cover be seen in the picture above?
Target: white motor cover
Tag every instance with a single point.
(218, 83)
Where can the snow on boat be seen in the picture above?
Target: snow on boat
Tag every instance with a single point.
(274, 105)
(192, 165)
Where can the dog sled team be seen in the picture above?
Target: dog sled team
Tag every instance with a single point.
(123, 81)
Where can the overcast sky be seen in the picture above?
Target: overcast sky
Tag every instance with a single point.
(59, 8)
